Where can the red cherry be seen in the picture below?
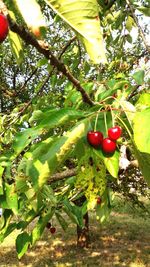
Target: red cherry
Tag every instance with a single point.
(99, 200)
(95, 138)
(52, 230)
(4, 27)
(108, 146)
(114, 133)
(48, 225)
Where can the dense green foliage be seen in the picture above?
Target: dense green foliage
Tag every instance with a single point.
(78, 77)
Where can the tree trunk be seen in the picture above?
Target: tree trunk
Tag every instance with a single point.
(83, 233)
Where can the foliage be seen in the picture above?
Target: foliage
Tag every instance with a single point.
(52, 94)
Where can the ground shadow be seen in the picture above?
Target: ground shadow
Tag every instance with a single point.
(121, 242)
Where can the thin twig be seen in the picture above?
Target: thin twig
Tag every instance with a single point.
(62, 175)
(138, 25)
(28, 103)
(43, 49)
(67, 45)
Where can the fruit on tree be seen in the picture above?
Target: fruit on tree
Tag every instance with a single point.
(95, 138)
(52, 230)
(4, 28)
(114, 133)
(48, 225)
(108, 145)
(99, 200)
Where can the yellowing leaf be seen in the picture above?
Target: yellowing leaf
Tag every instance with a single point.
(31, 12)
(42, 164)
(129, 23)
(16, 43)
(83, 17)
(16, 46)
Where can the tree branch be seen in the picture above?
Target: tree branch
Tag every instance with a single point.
(133, 93)
(110, 4)
(62, 175)
(67, 45)
(43, 49)
(138, 25)
(124, 165)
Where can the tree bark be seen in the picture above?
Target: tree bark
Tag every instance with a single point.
(83, 233)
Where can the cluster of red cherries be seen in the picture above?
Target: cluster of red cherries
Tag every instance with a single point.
(4, 28)
(51, 228)
(108, 144)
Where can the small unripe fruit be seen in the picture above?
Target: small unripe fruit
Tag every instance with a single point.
(4, 28)
(108, 146)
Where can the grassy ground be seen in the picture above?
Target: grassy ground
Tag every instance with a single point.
(123, 241)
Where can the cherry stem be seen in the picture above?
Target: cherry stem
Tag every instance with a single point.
(105, 121)
(111, 97)
(96, 122)
(95, 126)
(125, 126)
(113, 121)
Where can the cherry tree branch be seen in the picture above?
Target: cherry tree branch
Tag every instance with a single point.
(125, 164)
(43, 49)
(67, 45)
(110, 4)
(138, 25)
(62, 175)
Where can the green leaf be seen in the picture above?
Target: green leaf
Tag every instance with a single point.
(41, 224)
(21, 225)
(143, 101)
(42, 62)
(144, 160)
(103, 210)
(141, 130)
(61, 220)
(16, 43)
(16, 46)
(74, 212)
(129, 23)
(11, 197)
(144, 10)
(83, 17)
(111, 162)
(129, 38)
(23, 139)
(91, 177)
(1, 184)
(42, 167)
(11, 227)
(46, 121)
(6, 217)
(129, 109)
(139, 77)
(22, 243)
(56, 117)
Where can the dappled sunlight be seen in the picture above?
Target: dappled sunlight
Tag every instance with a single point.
(115, 244)
(57, 242)
(94, 254)
(137, 263)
